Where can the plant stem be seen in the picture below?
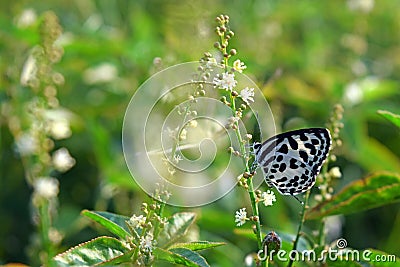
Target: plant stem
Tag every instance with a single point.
(321, 232)
(157, 223)
(302, 219)
(44, 230)
(250, 189)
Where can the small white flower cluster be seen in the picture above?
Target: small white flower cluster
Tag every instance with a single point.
(268, 198)
(226, 81)
(247, 95)
(26, 144)
(239, 66)
(146, 243)
(46, 187)
(60, 129)
(241, 217)
(62, 160)
(137, 221)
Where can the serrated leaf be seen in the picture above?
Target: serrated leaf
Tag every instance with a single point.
(181, 256)
(176, 227)
(393, 118)
(93, 252)
(374, 191)
(197, 245)
(113, 222)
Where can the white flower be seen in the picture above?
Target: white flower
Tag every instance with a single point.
(26, 145)
(212, 62)
(240, 217)
(361, 5)
(103, 73)
(193, 123)
(335, 172)
(137, 221)
(60, 129)
(268, 198)
(27, 18)
(46, 187)
(29, 71)
(62, 160)
(146, 243)
(183, 134)
(226, 82)
(239, 66)
(247, 95)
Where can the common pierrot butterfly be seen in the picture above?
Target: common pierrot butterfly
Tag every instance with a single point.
(292, 160)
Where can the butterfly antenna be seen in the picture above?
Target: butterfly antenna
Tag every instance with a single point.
(301, 202)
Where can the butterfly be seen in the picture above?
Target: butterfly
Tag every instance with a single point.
(292, 160)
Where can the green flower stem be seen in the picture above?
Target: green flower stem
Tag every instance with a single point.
(250, 190)
(157, 223)
(302, 220)
(45, 224)
(321, 230)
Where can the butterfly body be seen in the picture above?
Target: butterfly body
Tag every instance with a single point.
(292, 160)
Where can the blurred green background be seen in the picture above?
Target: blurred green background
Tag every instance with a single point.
(324, 52)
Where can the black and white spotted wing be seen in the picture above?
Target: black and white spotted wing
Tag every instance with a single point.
(292, 160)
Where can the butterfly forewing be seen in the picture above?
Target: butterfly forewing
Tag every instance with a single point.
(292, 160)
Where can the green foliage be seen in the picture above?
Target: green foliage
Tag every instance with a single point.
(393, 118)
(104, 251)
(95, 252)
(115, 223)
(305, 56)
(374, 191)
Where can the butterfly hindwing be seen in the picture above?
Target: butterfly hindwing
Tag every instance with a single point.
(292, 160)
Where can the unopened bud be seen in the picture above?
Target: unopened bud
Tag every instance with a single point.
(271, 242)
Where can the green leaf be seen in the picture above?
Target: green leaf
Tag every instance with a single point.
(181, 256)
(374, 191)
(176, 227)
(94, 252)
(113, 222)
(393, 118)
(197, 245)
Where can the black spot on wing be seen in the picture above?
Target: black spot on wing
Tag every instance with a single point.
(293, 143)
(314, 141)
(282, 167)
(293, 163)
(303, 137)
(311, 147)
(303, 155)
(283, 149)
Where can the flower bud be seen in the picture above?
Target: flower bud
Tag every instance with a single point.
(271, 242)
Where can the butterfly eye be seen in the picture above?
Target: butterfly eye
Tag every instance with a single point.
(256, 146)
